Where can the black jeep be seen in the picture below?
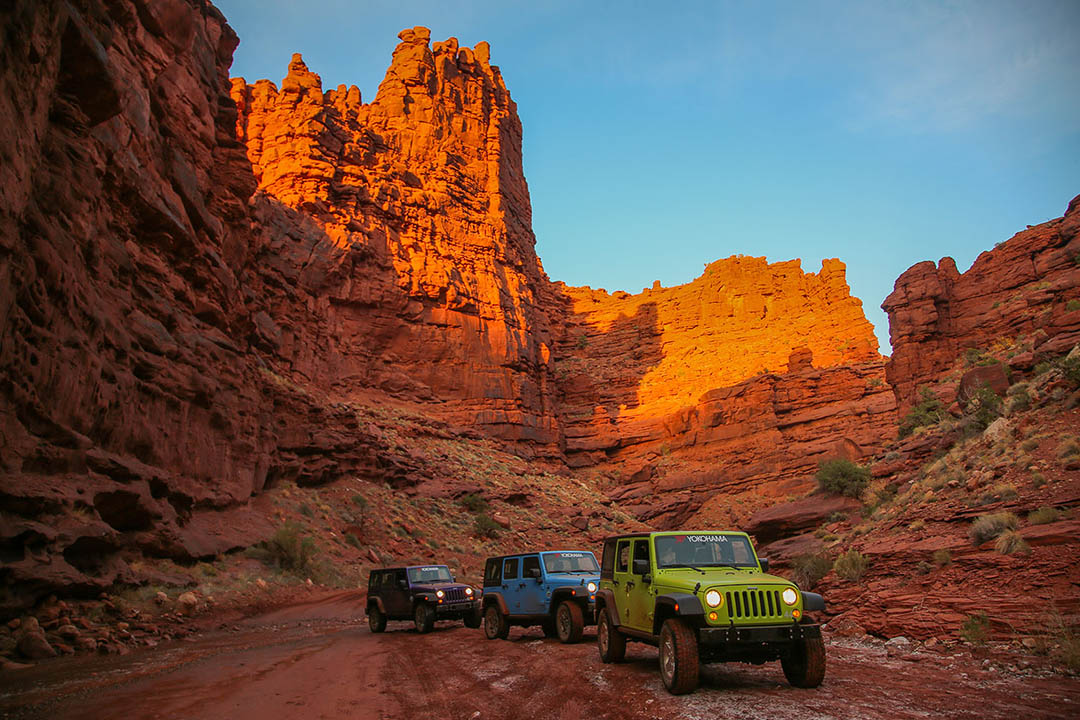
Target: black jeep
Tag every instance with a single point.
(422, 593)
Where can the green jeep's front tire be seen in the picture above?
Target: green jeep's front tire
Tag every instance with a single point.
(474, 619)
(678, 657)
(805, 666)
(569, 621)
(496, 627)
(375, 619)
(609, 641)
(423, 617)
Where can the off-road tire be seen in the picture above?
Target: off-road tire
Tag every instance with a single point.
(548, 626)
(474, 619)
(375, 619)
(678, 657)
(805, 666)
(496, 626)
(423, 617)
(569, 621)
(609, 641)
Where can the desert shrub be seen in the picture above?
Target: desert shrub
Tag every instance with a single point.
(485, 527)
(474, 503)
(975, 628)
(851, 565)
(1038, 479)
(837, 517)
(582, 342)
(942, 558)
(997, 493)
(988, 527)
(1011, 543)
(289, 549)
(1062, 640)
(842, 477)
(353, 540)
(923, 568)
(1068, 449)
(928, 412)
(983, 408)
(878, 493)
(1029, 444)
(807, 570)
(360, 501)
(306, 510)
(1042, 368)
(1073, 304)
(919, 524)
(1043, 515)
(1071, 368)
(1019, 399)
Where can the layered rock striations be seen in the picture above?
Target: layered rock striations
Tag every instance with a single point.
(1025, 293)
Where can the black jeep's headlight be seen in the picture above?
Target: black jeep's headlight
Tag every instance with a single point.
(468, 591)
(439, 593)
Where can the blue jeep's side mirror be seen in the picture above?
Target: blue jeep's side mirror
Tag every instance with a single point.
(534, 573)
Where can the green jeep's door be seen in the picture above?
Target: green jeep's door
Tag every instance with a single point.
(641, 597)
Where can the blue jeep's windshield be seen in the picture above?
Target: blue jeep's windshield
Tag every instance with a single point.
(704, 550)
(570, 562)
(429, 573)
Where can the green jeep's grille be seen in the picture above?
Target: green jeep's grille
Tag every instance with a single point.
(744, 604)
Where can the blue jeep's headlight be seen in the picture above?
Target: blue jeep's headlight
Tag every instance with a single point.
(592, 587)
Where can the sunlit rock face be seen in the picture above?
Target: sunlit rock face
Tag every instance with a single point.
(1023, 294)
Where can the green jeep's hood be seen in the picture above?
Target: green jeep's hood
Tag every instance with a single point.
(685, 579)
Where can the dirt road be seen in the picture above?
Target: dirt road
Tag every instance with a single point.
(318, 660)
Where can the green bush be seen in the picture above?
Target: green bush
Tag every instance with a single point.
(289, 549)
(989, 527)
(1072, 305)
(485, 527)
(1043, 515)
(360, 501)
(1038, 479)
(1071, 368)
(807, 570)
(928, 412)
(975, 629)
(983, 408)
(942, 558)
(306, 510)
(1011, 543)
(851, 565)
(1019, 398)
(842, 477)
(474, 503)
(997, 493)
(353, 540)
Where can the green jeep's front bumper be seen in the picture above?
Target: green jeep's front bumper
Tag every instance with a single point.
(709, 637)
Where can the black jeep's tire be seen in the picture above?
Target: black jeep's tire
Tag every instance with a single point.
(423, 617)
(609, 641)
(474, 619)
(678, 657)
(496, 626)
(569, 621)
(375, 619)
(548, 626)
(805, 666)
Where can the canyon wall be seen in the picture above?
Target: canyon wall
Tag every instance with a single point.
(1024, 293)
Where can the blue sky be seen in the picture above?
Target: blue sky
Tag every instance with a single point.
(882, 133)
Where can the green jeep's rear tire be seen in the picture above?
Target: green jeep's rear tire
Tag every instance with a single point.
(609, 641)
(423, 617)
(569, 621)
(496, 626)
(805, 666)
(678, 657)
(474, 619)
(375, 619)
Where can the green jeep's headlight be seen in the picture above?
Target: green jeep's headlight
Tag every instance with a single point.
(592, 587)
(790, 596)
(714, 599)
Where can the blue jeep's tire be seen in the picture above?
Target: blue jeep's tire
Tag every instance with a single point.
(609, 641)
(569, 621)
(496, 626)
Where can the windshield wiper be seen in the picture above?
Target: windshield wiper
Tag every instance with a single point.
(734, 567)
(686, 566)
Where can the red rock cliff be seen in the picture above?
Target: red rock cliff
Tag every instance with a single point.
(1023, 293)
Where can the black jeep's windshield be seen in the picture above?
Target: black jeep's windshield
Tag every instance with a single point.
(704, 550)
(429, 573)
(570, 562)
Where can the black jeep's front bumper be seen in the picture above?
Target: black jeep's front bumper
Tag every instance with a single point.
(710, 637)
(456, 611)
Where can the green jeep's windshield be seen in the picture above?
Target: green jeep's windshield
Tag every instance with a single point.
(430, 573)
(704, 550)
(570, 562)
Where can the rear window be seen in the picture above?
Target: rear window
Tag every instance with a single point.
(510, 569)
(493, 572)
(607, 566)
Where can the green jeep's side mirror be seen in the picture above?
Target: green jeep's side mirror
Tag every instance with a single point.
(641, 567)
(764, 564)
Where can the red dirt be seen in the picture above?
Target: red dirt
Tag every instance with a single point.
(318, 659)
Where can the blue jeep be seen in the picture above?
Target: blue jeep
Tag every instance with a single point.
(555, 590)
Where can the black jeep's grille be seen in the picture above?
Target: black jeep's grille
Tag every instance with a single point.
(753, 603)
(455, 595)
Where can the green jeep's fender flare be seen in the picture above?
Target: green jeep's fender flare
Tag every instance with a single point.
(676, 605)
(812, 601)
(605, 601)
(495, 598)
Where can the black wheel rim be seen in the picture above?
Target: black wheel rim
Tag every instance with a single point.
(564, 621)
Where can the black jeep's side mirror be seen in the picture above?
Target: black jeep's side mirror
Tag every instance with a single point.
(764, 564)
(641, 567)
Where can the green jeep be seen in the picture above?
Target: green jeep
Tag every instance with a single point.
(704, 597)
